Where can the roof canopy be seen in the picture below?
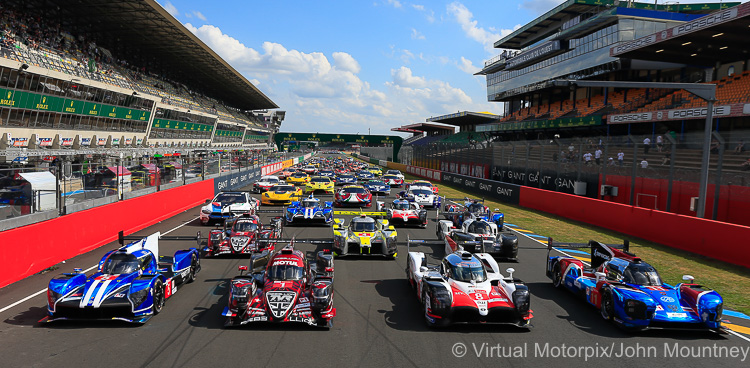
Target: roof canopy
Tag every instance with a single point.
(425, 127)
(464, 118)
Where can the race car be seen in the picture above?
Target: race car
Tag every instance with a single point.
(472, 208)
(478, 236)
(288, 289)
(377, 187)
(241, 235)
(227, 205)
(130, 284)
(365, 235)
(467, 288)
(309, 169)
(328, 173)
(309, 210)
(364, 175)
(283, 174)
(396, 173)
(630, 292)
(353, 195)
(423, 183)
(422, 196)
(298, 178)
(281, 194)
(375, 170)
(265, 183)
(393, 181)
(346, 179)
(404, 212)
(319, 184)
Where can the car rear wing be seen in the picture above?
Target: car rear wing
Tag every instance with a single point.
(359, 213)
(600, 252)
(297, 240)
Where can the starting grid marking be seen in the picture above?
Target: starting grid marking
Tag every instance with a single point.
(543, 240)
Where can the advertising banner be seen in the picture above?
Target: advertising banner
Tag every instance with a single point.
(504, 192)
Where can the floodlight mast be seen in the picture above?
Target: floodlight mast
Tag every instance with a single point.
(705, 91)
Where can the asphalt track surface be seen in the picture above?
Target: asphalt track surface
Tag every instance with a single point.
(378, 323)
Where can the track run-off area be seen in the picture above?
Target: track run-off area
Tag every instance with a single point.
(379, 321)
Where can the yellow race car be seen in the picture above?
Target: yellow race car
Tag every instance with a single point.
(298, 178)
(375, 170)
(365, 235)
(281, 194)
(319, 184)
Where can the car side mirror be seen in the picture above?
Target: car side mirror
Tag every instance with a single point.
(423, 269)
(336, 227)
(510, 271)
(600, 276)
(208, 201)
(688, 278)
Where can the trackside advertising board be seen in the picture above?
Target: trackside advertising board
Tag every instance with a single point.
(236, 181)
(504, 192)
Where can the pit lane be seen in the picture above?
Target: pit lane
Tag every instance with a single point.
(378, 323)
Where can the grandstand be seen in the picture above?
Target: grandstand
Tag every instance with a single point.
(123, 74)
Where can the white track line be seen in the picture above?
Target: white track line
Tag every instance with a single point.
(84, 271)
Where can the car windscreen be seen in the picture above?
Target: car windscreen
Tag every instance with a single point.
(229, 198)
(421, 191)
(476, 208)
(401, 206)
(481, 228)
(394, 172)
(375, 183)
(320, 180)
(309, 203)
(120, 263)
(642, 274)
(391, 177)
(363, 226)
(299, 175)
(269, 180)
(355, 190)
(285, 272)
(346, 177)
(283, 188)
(245, 226)
(468, 273)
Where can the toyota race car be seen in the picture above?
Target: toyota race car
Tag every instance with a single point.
(227, 205)
(631, 293)
(364, 236)
(309, 210)
(282, 194)
(130, 284)
(265, 183)
(404, 212)
(287, 289)
(467, 288)
(240, 235)
(353, 195)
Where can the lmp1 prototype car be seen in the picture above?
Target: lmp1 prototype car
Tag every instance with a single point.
(131, 283)
(226, 205)
(478, 236)
(467, 288)
(423, 196)
(472, 208)
(630, 292)
(287, 290)
(309, 210)
(353, 195)
(241, 235)
(282, 194)
(364, 236)
(404, 212)
(319, 184)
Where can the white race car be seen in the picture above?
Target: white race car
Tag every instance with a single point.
(423, 196)
(227, 205)
(483, 233)
(404, 212)
(468, 288)
(265, 183)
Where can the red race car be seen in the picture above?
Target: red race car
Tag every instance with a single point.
(240, 236)
(353, 195)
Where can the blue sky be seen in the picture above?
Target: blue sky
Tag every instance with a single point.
(346, 66)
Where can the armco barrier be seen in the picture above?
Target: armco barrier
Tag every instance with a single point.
(423, 173)
(504, 192)
(719, 240)
(30, 249)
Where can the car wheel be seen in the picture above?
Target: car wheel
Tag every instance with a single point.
(556, 276)
(157, 292)
(426, 306)
(608, 305)
(193, 268)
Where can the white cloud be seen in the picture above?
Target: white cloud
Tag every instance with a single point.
(467, 67)
(346, 62)
(395, 3)
(199, 15)
(464, 17)
(171, 9)
(415, 35)
(429, 14)
(403, 77)
(406, 56)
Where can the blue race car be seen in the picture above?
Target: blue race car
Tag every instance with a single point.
(327, 173)
(630, 292)
(131, 284)
(378, 187)
(346, 179)
(364, 175)
(309, 210)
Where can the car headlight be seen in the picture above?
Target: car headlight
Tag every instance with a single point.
(206, 211)
(522, 301)
(52, 297)
(635, 309)
(139, 296)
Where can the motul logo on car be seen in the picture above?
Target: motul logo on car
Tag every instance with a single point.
(284, 263)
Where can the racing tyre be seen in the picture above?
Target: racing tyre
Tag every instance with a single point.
(158, 295)
(427, 321)
(608, 305)
(193, 269)
(557, 276)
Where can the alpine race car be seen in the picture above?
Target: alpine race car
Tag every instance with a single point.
(631, 293)
(319, 184)
(364, 236)
(353, 195)
(241, 235)
(377, 187)
(404, 212)
(265, 183)
(288, 289)
(309, 210)
(281, 194)
(298, 178)
(423, 196)
(346, 179)
(393, 181)
(226, 205)
(467, 288)
(130, 284)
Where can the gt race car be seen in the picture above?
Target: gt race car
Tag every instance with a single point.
(467, 288)
(287, 290)
(281, 194)
(240, 235)
(226, 205)
(630, 292)
(298, 178)
(365, 235)
(353, 195)
(319, 184)
(265, 183)
(393, 181)
(378, 187)
(344, 179)
(131, 283)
